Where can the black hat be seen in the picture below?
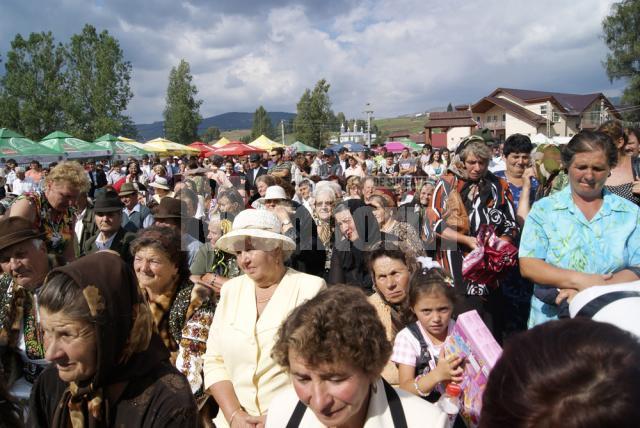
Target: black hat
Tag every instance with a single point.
(108, 202)
(255, 157)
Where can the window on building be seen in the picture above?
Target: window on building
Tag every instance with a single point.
(495, 118)
(504, 117)
(543, 110)
(477, 118)
(488, 118)
(556, 117)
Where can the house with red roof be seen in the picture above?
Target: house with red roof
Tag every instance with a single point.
(509, 111)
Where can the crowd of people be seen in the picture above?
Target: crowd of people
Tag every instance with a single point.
(318, 289)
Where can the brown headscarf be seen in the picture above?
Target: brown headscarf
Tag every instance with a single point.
(127, 345)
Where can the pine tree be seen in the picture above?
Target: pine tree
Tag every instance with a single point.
(314, 116)
(623, 39)
(262, 124)
(182, 111)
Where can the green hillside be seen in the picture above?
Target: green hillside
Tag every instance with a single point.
(409, 123)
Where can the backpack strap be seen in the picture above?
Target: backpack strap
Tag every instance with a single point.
(594, 306)
(297, 415)
(395, 406)
(425, 356)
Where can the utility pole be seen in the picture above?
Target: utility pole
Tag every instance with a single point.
(282, 129)
(369, 112)
(549, 119)
(602, 112)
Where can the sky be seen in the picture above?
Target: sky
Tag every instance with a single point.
(401, 56)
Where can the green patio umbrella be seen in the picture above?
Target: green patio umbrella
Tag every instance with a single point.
(120, 149)
(74, 148)
(409, 143)
(23, 150)
(303, 148)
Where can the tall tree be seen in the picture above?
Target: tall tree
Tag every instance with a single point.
(623, 39)
(32, 86)
(449, 107)
(97, 80)
(262, 124)
(182, 111)
(210, 134)
(340, 120)
(314, 116)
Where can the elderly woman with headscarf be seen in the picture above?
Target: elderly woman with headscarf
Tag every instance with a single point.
(335, 348)
(466, 197)
(51, 210)
(359, 231)
(238, 370)
(108, 367)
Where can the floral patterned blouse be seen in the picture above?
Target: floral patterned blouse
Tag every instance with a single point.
(58, 233)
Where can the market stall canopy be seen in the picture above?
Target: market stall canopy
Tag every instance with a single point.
(395, 146)
(107, 137)
(23, 150)
(221, 142)
(133, 143)
(237, 148)
(303, 148)
(74, 148)
(122, 150)
(164, 146)
(350, 146)
(265, 143)
(205, 149)
(409, 143)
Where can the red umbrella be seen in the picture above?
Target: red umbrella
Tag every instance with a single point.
(205, 149)
(236, 148)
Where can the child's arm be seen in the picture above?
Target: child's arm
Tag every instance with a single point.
(407, 377)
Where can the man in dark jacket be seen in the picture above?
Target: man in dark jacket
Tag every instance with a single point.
(111, 236)
(255, 171)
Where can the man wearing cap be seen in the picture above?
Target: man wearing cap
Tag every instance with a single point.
(255, 170)
(135, 216)
(111, 236)
(25, 264)
(279, 167)
(297, 224)
(329, 165)
(97, 177)
(174, 213)
(342, 160)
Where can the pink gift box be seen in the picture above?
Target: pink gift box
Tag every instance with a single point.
(472, 340)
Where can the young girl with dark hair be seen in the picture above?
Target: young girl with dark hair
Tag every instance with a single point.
(418, 349)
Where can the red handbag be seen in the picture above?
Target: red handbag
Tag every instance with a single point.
(491, 259)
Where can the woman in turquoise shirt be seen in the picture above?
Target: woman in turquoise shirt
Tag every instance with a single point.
(583, 235)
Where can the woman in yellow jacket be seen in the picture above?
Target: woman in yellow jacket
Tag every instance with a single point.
(238, 369)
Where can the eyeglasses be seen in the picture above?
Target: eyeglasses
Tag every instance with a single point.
(324, 203)
(274, 155)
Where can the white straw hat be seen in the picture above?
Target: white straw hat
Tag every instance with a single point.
(260, 225)
(160, 183)
(274, 192)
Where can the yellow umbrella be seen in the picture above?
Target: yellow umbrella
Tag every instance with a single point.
(162, 145)
(221, 142)
(263, 142)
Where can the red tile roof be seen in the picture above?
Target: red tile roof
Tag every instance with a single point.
(400, 133)
(449, 119)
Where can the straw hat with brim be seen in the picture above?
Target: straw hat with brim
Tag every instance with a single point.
(14, 230)
(108, 202)
(171, 208)
(263, 229)
(127, 189)
(274, 192)
(160, 183)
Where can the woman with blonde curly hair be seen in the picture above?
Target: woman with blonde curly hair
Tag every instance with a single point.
(52, 210)
(335, 348)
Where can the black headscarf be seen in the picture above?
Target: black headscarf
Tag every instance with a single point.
(352, 255)
(127, 345)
